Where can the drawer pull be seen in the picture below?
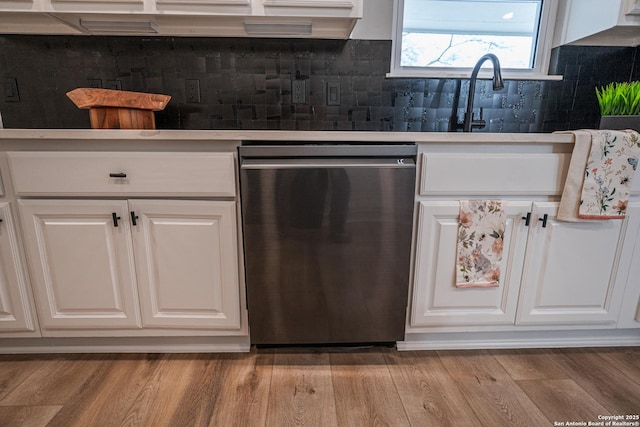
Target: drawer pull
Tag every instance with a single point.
(527, 219)
(115, 218)
(544, 220)
(134, 217)
(118, 175)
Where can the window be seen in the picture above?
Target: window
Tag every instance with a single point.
(445, 38)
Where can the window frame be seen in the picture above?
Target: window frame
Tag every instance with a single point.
(542, 56)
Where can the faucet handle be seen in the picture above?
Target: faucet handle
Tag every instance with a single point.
(479, 123)
(473, 115)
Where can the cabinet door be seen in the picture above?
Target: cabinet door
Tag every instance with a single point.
(187, 263)
(310, 8)
(220, 7)
(633, 7)
(81, 263)
(16, 5)
(15, 309)
(570, 271)
(436, 300)
(630, 311)
(96, 6)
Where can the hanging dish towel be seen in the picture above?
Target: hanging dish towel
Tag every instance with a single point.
(598, 183)
(480, 242)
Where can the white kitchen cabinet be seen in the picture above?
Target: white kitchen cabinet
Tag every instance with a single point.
(186, 262)
(122, 174)
(16, 317)
(436, 300)
(222, 18)
(598, 23)
(570, 272)
(120, 6)
(217, 7)
(16, 5)
(25, 20)
(140, 7)
(81, 264)
(554, 273)
(247, 8)
(329, 8)
(109, 267)
(176, 268)
(630, 310)
(221, 6)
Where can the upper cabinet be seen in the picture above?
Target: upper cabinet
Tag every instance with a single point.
(598, 23)
(329, 8)
(228, 18)
(28, 17)
(214, 7)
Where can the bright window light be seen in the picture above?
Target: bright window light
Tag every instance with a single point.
(453, 34)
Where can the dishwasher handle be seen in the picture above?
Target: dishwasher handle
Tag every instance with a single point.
(319, 163)
(327, 151)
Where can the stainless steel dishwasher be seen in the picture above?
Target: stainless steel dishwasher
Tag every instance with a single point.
(327, 240)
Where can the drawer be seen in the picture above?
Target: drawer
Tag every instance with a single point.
(491, 173)
(122, 173)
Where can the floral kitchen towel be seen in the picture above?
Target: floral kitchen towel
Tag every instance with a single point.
(598, 183)
(572, 191)
(610, 167)
(480, 242)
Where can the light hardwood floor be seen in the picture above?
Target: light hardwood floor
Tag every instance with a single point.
(321, 387)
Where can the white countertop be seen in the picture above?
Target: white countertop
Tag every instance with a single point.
(240, 135)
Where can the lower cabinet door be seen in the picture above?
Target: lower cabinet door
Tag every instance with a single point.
(630, 310)
(437, 301)
(81, 261)
(187, 263)
(570, 273)
(15, 308)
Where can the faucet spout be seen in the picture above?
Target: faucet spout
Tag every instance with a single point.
(498, 84)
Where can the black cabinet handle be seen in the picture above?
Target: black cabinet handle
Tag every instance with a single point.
(134, 217)
(544, 220)
(115, 218)
(527, 219)
(118, 175)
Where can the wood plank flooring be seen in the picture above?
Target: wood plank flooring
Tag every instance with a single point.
(374, 386)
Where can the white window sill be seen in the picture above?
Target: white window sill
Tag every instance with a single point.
(483, 74)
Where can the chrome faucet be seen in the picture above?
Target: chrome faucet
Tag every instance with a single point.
(469, 123)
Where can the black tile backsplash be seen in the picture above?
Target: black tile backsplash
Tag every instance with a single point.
(246, 84)
(572, 103)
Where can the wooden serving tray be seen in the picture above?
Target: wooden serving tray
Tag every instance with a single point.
(118, 109)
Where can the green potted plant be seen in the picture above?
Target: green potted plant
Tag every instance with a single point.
(619, 105)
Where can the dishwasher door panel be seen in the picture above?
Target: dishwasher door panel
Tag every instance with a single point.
(327, 252)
